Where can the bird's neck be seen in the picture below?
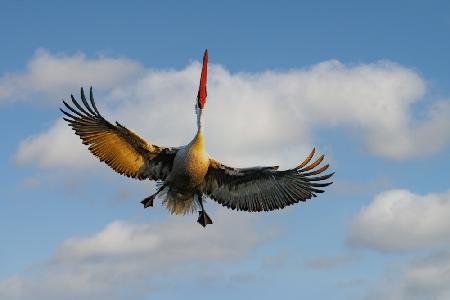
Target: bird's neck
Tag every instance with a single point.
(198, 142)
(199, 120)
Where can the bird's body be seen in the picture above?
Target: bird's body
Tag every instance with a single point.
(186, 174)
(190, 166)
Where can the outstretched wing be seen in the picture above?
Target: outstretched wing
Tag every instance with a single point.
(123, 150)
(264, 188)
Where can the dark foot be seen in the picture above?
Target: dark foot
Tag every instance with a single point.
(148, 201)
(203, 218)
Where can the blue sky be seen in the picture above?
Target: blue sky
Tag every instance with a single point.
(365, 83)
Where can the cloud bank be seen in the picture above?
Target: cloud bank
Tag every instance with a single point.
(399, 220)
(422, 279)
(138, 258)
(55, 75)
(250, 117)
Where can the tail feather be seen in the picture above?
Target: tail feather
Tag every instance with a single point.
(177, 203)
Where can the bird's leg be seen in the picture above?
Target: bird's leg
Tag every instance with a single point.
(149, 200)
(203, 217)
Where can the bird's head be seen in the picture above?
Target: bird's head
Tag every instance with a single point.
(201, 96)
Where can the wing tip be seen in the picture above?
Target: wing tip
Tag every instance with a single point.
(307, 159)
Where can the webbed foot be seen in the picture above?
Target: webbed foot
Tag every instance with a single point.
(148, 201)
(203, 218)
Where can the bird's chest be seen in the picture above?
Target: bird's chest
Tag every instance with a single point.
(190, 167)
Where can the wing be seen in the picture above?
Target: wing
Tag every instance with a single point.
(120, 148)
(264, 188)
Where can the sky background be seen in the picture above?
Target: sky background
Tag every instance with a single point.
(366, 83)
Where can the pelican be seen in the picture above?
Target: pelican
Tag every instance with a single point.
(186, 175)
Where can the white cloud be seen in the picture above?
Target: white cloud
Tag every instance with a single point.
(425, 278)
(55, 147)
(131, 256)
(55, 75)
(399, 220)
(250, 118)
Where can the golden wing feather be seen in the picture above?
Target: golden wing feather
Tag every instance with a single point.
(120, 148)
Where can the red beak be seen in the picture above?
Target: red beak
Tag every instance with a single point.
(201, 96)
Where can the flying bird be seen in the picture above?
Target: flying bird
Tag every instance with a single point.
(186, 175)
